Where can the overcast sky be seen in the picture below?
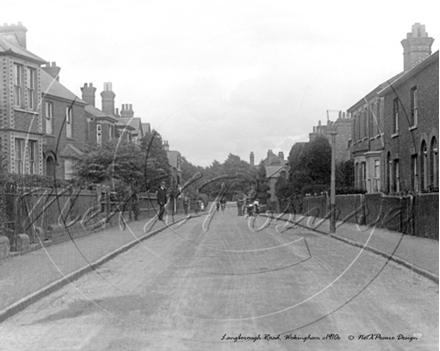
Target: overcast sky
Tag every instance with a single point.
(220, 77)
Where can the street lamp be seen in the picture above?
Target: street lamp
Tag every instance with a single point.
(333, 134)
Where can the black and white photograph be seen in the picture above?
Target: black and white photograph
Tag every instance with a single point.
(194, 175)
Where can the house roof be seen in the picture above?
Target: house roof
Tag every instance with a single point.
(71, 151)
(146, 128)
(408, 74)
(9, 48)
(51, 86)
(274, 171)
(134, 122)
(122, 125)
(98, 114)
(375, 91)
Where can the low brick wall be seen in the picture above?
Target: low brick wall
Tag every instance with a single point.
(4, 247)
(315, 206)
(412, 215)
(350, 208)
(426, 219)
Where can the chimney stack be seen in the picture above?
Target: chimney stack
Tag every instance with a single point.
(166, 146)
(252, 159)
(16, 33)
(52, 69)
(281, 155)
(127, 111)
(88, 93)
(416, 46)
(108, 99)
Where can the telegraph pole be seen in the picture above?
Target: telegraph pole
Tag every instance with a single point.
(332, 183)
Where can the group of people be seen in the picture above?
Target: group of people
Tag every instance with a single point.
(221, 204)
(163, 200)
(247, 206)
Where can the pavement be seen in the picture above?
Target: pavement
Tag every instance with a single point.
(416, 253)
(27, 278)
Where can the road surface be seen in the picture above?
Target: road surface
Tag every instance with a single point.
(223, 282)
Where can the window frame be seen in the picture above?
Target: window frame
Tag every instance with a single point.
(396, 166)
(20, 152)
(424, 165)
(48, 114)
(414, 106)
(434, 162)
(32, 151)
(99, 134)
(69, 122)
(396, 116)
(18, 84)
(30, 87)
(69, 164)
(415, 173)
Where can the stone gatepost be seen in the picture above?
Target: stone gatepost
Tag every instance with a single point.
(23, 243)
(4, 247)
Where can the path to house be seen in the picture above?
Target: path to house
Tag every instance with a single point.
(211, 282)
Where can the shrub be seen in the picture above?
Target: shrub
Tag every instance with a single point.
(37, 181)
(349, 190)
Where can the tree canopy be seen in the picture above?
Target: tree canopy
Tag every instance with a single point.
(138, 166)
(310, 166)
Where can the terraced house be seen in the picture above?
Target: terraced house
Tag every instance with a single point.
(411, 109)
(396, 123)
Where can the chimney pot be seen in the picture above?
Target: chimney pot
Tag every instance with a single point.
(88, 93)
(108, 99)
(53, 70)
(416, 46)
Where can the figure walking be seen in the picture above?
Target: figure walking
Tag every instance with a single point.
(161, 200)
(185, 204)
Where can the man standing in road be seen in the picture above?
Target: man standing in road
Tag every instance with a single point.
(161, 200)
(185, 204)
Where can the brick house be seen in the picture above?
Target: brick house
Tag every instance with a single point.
(100, 126)
(411, 109)
(21, 129)
(127, 118)
(369, 118)
(367, 143)
(342, 126)
(63, 124)
(275, 166)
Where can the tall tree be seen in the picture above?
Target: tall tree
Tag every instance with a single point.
(242, 176)
(318, 161)
(189, 171)
(156, 166)
(112, 162)
(310, 167)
